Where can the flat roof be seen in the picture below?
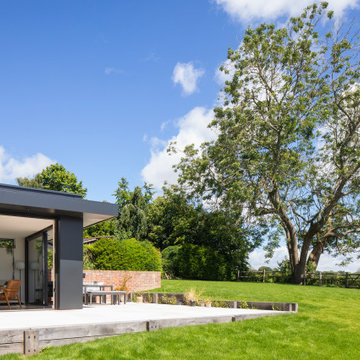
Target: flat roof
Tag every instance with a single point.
(39, 202)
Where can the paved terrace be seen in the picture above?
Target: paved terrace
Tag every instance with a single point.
(27, 331)
(105, 314)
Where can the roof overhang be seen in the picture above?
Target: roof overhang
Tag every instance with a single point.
(52, 204)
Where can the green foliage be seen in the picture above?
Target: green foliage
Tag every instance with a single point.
(55, 177)
(170, 260)
(284, 266)
(50, 259)
(133, 209)
(199, 262)
(34, 182)
(266, 268)
(220, 304)
(87, 258)
(105, 228)
(174, 221)
(129, 254)
(8, 244)
(168, 300)
(288, 146)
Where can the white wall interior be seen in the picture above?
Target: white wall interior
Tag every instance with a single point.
(15, 227)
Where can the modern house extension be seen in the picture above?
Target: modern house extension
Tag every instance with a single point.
(37, 223)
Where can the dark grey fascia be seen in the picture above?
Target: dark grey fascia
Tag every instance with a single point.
(39, 202)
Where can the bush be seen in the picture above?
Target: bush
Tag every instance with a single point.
(194, 262)
(170, 260)
(129, 254)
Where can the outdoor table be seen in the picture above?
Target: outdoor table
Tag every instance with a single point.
(100, 286)
(115, 295)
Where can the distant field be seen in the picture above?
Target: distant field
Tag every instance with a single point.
(326, 327)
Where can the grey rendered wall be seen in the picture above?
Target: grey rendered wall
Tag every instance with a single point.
(68, 263)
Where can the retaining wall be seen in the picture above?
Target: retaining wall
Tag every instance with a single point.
(138, 280)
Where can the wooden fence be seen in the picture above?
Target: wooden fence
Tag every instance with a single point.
(336, 279)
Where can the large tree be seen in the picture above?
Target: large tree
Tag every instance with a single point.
(55, 177)
(287, 155)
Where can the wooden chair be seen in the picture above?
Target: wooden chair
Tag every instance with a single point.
(11, 292)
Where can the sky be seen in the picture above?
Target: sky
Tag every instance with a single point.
(102, 87)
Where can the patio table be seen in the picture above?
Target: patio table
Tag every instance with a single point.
(100, 286)
(115, 296)
(92, 286)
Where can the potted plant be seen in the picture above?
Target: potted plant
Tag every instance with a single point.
(192, 297)
(206, 301)
(138, 297)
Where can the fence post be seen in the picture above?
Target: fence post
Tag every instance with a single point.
(238, 275)
(347, 280)
(320, 279)
(264, 276)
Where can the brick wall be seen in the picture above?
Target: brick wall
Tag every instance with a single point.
(138, 280)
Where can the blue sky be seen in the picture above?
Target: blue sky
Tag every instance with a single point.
(89, 83)
(102, 86)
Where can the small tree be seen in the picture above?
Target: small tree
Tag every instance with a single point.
(133, 210)
(34, 182)
(55, 177)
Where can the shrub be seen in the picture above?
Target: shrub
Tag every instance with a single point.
(170, 261)
(198, 262)
(195, 262)
(129, 254)
(138, 256)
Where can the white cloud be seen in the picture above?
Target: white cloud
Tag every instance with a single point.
(157, 143)
(187, 76)
(11, 168)
(326, 263)
(192, 130)
(112, 70)
(249, 10)
(257, 257)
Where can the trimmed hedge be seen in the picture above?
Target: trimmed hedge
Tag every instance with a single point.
(130, 254)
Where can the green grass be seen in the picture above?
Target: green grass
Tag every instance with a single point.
(326, 327)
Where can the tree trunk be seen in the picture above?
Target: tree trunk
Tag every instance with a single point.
(315, 254)
(298, 275)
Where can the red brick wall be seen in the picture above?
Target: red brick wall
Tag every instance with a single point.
(138, 280)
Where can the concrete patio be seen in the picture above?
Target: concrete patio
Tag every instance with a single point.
(100, 314)
(27, 331)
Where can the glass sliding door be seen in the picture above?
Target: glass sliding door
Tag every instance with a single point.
(36, 268)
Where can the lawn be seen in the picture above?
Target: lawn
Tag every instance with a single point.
(326, 327)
